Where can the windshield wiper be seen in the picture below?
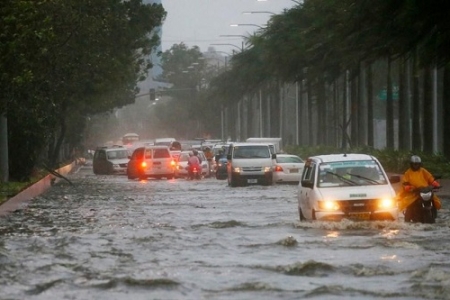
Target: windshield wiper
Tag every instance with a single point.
(343, 179)
(364, 178)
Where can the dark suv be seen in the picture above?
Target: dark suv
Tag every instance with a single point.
(110, 160)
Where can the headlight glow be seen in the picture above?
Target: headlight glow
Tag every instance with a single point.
(329, 205)
(267, 169)
(386, 203)
(237, 170)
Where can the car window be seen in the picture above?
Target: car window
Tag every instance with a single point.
(138, 153)
(118, 154)
(101, 155)
(251, 152)
(161, 153)
(148, 153)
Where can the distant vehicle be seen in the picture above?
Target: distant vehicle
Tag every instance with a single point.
(274, 143)
(288, 169)
(151, 161)
(110, 160)
(249, 163)
(130, 138)
(352, 186)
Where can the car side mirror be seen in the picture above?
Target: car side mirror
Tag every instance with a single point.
(307, 183)
(274, 156)
(394, 179)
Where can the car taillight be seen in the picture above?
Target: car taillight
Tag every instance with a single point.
(143, 165)
(278, 169)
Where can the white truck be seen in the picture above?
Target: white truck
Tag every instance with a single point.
(274, 143)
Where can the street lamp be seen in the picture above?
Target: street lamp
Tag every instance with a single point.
(257, 12)
(225, 44)
(238, 25)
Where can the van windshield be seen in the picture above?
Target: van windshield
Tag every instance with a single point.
(360, 172)
(251, 152)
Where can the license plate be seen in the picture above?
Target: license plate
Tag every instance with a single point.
(252, 180)
(359, 216)
(293, 171)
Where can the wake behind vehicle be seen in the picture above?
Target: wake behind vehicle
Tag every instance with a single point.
(351, 186)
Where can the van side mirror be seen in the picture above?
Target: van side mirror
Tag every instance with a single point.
(274, 156)
(307, 183)
(394, 179)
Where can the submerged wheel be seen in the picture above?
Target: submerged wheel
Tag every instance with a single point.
(428, 216)
(300, 213)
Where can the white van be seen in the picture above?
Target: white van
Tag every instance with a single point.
(249, 163)
(151, 161)
(352, 186)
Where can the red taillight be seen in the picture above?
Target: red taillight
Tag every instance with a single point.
(278, 169)
(143, 165)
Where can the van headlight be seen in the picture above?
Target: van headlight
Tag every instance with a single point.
(329, 205)
(237, 170)
(267, 169)
(386, 203)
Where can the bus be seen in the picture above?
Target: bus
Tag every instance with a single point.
(130, 138)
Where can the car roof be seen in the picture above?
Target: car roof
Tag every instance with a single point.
(342, 157)
(286, 155)
(250, 144)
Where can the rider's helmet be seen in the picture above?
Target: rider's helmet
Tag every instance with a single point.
(415, 162)
(195, 152)
(191, 153)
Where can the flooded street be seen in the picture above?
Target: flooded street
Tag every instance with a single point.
(107, 237)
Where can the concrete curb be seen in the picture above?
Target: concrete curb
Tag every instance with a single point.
(21, 200)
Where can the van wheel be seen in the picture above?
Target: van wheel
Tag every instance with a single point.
(130, 176)
(233, 182)
(300, 213)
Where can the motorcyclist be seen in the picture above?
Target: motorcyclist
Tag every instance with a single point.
(193, 162)
(416, 176)
(193, 158)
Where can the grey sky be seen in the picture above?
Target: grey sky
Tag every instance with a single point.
(201, 22)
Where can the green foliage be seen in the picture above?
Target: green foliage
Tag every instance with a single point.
(394, 161)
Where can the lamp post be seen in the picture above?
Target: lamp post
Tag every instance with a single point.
(258, 12)
(225, 44)
(239, 25)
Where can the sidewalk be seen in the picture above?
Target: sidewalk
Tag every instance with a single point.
(21, 199)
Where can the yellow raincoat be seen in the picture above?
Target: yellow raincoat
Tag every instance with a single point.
(416, 179)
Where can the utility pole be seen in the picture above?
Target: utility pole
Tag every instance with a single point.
(4, 167)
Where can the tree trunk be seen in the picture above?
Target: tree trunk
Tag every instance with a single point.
(389, 109)
(416, 141)
(427, 110)
(446, 112)
(403, 116)
(369, 87)
(354, 115)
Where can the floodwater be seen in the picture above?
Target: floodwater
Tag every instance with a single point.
(107, 237)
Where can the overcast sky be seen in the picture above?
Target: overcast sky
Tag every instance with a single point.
(201, 22)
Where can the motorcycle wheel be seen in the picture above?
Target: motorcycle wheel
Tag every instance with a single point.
(428, 216)
(408, 215)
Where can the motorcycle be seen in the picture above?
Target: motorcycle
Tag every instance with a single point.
(422, 209)
(194, 171)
